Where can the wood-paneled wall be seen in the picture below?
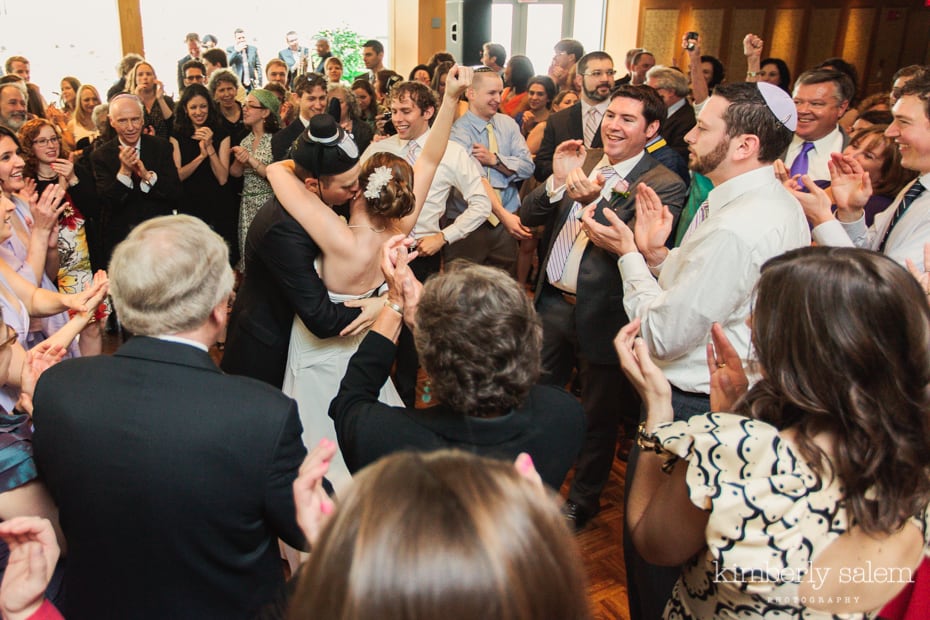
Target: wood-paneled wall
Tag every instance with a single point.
(877, 37)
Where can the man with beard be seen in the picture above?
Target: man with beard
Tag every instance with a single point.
(581, 121)
(578, 294)
(13, 105)
(747, 219)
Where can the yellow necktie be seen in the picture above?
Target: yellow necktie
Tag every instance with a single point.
(492, 147)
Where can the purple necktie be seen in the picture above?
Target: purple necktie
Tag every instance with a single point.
(801, 162)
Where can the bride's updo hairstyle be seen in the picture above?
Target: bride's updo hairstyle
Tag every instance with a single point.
(386, 181)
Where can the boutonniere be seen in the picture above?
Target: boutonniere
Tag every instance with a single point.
(620, 189)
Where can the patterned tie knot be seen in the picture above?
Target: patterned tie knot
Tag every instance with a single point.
(413, 149)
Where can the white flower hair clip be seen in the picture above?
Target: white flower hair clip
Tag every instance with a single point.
(376, 182)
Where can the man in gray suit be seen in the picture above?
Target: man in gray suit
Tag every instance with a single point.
(579, 292)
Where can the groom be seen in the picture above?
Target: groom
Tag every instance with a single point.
(280, 280)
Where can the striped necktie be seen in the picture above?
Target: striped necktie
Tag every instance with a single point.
(412, 152)
(591, 123)
(913, 192)
(699, 216)
(562, 246)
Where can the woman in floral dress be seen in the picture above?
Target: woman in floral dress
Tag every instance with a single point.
(46, 163)
(260, 115)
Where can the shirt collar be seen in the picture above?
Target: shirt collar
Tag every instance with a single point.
(623, 168)
(180, 340)
(726, 192)
(600, 107)
(478, 123)
(675, 107)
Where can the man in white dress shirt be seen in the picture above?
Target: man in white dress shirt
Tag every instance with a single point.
(413, 106)
(821, 96)
(901, 230)
(747, 219)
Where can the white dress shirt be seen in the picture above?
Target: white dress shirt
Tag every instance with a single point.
(710, 278)
(457, 172)
(907, 238)
(818, 156)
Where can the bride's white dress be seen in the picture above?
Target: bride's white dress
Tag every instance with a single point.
(315, 367)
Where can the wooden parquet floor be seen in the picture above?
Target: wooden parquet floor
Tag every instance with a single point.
(601, 544)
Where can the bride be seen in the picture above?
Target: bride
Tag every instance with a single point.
(388, 197)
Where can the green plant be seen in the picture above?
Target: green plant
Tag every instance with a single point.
(347, 45)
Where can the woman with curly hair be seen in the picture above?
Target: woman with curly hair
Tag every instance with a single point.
(479, 340)
(386, 197)
(349, 115)
(201, 155)
(47, 163)
(820, 473)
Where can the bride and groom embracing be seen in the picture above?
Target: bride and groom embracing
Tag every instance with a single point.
(311, 277)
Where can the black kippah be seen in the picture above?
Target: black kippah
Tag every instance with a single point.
(324, 149)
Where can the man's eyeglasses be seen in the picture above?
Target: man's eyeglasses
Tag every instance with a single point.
(194, 78)
(599, 74)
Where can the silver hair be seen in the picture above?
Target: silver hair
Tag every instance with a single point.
(672, 79)
(122, 97)
(168, 275)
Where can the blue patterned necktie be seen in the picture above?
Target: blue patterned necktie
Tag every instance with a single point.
(913, 192)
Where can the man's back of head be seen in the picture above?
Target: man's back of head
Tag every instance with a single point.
(168, 275)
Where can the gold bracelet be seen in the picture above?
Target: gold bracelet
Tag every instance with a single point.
(651, 442)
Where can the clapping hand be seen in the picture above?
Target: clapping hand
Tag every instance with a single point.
(815, 202)
(38, 359)
(851, 185)
(653, 224)
(34, 553)
(616, 238)
(646, 377)
(403, 287)
(314, 506)
(568, 156)
(922, 277)
(64, 168)
(728, 381)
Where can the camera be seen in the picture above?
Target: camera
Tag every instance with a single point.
(691, 37)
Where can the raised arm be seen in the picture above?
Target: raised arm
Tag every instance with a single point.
(328, 230)
(457, 80)
(698, 83)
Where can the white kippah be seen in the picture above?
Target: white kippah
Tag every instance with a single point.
(781, 105)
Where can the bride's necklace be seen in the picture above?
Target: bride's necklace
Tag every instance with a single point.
(371, 228)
